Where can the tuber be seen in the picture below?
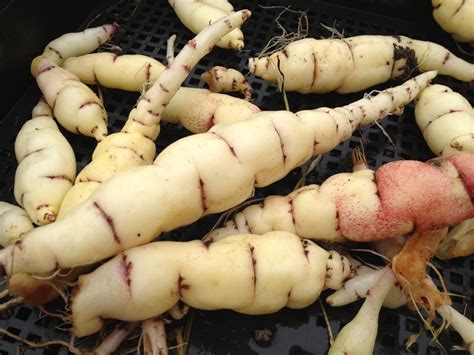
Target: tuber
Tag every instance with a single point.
(47, 166)
(355, 63)
(196, 15)
(270, 272)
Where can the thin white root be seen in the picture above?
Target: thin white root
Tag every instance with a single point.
(358, 287)
(460, 323)
(179, 311)
(170, 49)
(358, 336)
(328, 323)
(154, 337)
(11, 303)
(112, 341)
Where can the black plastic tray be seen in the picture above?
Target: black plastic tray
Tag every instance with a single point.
(145, 27)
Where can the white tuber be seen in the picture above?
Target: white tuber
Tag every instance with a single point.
(46, 166)
(14, 222)
(196, 15)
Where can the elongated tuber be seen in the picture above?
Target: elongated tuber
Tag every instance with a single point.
(400, 197)
(446, 120)
(271, 271)
(196, 109)
(47, 166)
(134, 145)
(76, 107)
(356, 63)
(195, 176)
(196, 15)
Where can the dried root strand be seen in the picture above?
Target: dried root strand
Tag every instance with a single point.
(279, 42)
(11, 303)
(409, 266)
(69, 345)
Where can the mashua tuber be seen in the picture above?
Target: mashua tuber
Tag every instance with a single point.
(247, 273)
(356, 63)
(193, 177)
(76, 107)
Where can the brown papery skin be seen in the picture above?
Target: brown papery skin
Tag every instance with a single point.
(435, 205)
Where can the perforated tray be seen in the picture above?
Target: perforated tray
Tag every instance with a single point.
(145, 29)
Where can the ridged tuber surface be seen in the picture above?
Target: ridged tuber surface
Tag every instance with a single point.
(196, 15)
(46, 166)
(400, 197)
(356, 63)
(134, 145)
(270, 272)
(14, 222)
(195, 176)
(455, 17)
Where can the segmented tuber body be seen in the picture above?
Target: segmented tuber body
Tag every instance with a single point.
(221, 79)
(76, 107)
(195, 176)
(400, 197)
(356, 63)
(14, 222)
(134, 145)
(270, 272)
(196, 109)
(446, 120)
(455, 17)
(46, 166)
(196, 15)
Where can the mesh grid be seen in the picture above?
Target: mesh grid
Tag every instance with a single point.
(145, 29)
